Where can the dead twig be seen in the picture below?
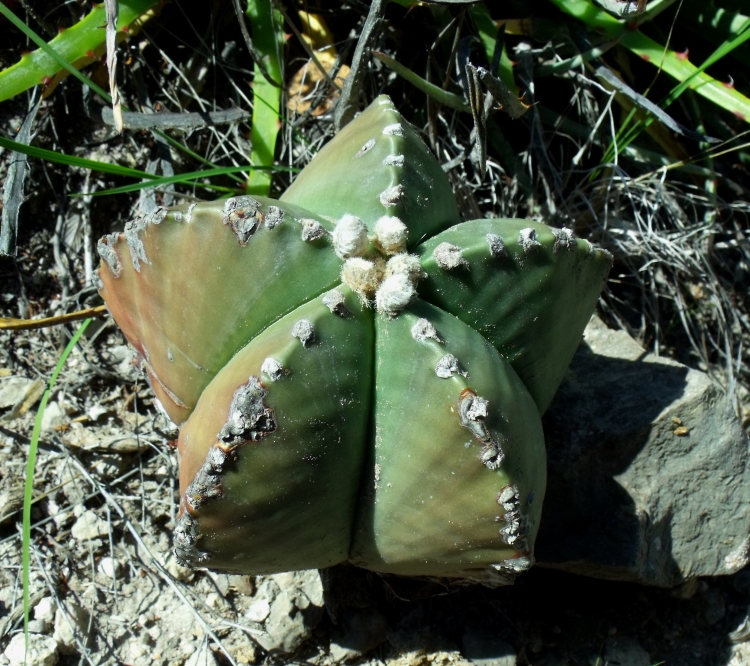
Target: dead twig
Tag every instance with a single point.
(10, 324)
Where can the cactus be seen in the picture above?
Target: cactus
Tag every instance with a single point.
(358, 376)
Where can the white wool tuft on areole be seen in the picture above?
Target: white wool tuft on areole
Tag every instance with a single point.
(350, 237)
(390, 234)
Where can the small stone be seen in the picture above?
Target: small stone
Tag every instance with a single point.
(109, 567)
(449, 257)
(54, 415)
(45, 610)
(71, 623)
(304, 331)
(258, 611)
(89, 526)
(42, 651)
(177, 571)
(296, 606)
(13, 390)
(203, 656)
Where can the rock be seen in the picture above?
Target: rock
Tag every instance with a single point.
(177, 571)
(42, 651)
(649, 478)
(358, 632)
(89, 526)
(625, 651)
(258, 611)
(72, 622)
(351, 596)
(13, 390)
(485, 649)
(54, 415)
(740, 655)
(45, 610)
(38, 627)
(109, 567)
(296, 607)
(202, 657)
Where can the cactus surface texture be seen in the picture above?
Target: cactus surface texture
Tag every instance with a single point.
(358, 376)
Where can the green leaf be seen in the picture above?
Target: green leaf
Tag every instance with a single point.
(268, 38)
(70, 45)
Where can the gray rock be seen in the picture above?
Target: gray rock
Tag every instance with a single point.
(72, 626)
(649, 477)
(486, 649)
(202, 657)
(360, 631)
(89, 526)
(42, 651)
(13, 390)
(296, 607)
(54, 415)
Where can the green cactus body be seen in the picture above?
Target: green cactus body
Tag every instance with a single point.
(342, 399)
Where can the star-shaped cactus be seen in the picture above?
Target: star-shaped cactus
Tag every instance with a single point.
(358, 376)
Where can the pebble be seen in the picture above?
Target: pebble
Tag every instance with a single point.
(203, 656)
(89, 526)
(45, 610)
(13, 390)
(42, 650)
(109, 567)
(258, 611)
(71, 625)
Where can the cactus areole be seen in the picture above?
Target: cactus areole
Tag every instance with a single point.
(358, 375)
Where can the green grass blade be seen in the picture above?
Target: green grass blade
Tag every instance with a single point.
(444, 97)
(71, 160)
(627, 134)
(669, 61)
(268, 38)
(189, 177)
(487, 29)
(10, 78)
(30, 464)
(70, 45)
